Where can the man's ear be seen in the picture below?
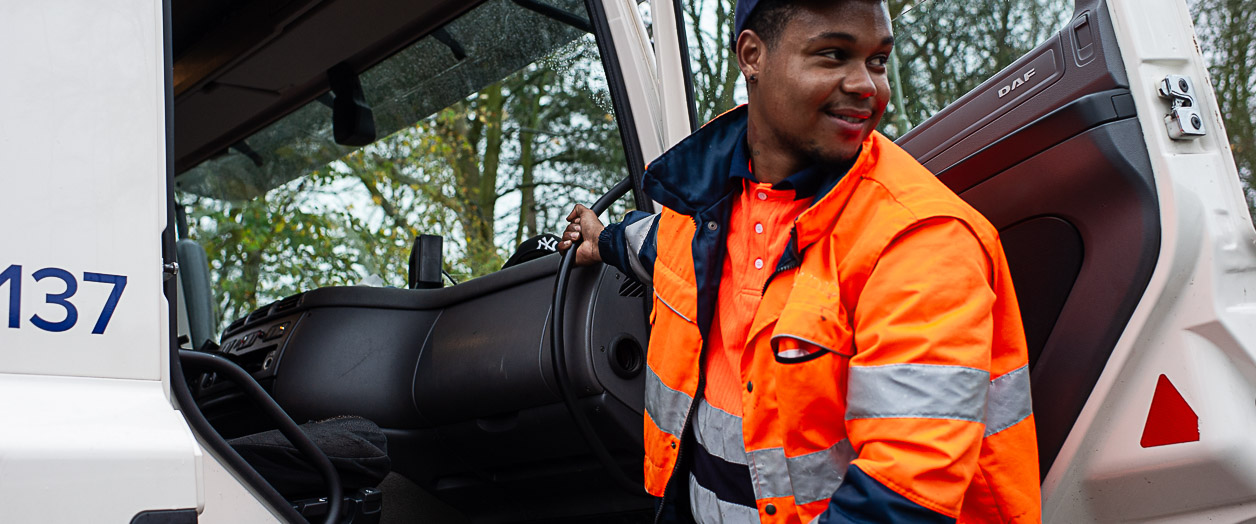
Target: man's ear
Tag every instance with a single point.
(750, 51)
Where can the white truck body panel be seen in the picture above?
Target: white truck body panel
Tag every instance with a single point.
(85, 147)
(89, 434)
(671, 72)
(653, 72)
(1196, 323)
(224, 500)
(80, 449)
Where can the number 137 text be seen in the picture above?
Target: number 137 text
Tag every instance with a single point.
(12, 276)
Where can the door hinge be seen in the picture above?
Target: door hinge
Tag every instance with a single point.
(1184, 121)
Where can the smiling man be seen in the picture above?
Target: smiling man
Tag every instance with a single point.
(835, 336)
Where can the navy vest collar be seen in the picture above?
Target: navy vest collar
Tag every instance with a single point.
(698, 172)
(692, 176)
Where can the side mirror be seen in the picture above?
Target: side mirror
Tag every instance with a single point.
(426, 262)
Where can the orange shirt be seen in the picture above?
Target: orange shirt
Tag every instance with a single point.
(758, 230)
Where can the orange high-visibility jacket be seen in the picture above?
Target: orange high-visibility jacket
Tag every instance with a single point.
(904, 385)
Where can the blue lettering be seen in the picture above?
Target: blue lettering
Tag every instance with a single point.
(119, 284)
(13, 275)
(60, 299)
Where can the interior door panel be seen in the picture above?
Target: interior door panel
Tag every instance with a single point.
(1062, 171)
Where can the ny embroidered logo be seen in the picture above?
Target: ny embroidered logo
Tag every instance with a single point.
(550, 244)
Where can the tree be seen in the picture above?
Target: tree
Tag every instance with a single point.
(270, 247)
(944, 49)
(1224, 28)
(539, 134)
(709, 30)
(502, 164)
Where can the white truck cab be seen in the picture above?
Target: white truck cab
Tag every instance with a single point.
(143, 135)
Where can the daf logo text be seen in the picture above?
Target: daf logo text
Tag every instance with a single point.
(1003, 91)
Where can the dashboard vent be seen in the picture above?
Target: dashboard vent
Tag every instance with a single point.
(261, 313)
(258, 314)
(288, 303)
(631, 288)
(235, 325)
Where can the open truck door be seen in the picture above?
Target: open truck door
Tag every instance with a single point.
(1101, 158)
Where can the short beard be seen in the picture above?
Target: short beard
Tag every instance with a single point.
(827, 161)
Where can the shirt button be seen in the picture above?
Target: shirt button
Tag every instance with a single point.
(758, 263)
(750, 387)
(763, 196)
(758, 228)
(712, 225)
(770, 509)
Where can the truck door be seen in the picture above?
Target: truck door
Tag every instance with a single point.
(87, 429)
(1128, 238)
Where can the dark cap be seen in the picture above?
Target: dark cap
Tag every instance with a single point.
(744, 7)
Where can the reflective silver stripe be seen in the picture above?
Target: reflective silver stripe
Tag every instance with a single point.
(669, 306)
(665, 405)
(808, 478)
(817, 475)
(709, 509)
(770, 473)
(719, 432)
(917, 391)
(1009, 401)
(635, 235)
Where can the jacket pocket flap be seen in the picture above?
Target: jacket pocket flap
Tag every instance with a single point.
(812, 322)
(675, 294)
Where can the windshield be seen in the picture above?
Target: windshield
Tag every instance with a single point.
(491, 129)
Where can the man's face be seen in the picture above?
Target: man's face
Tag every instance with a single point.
(822, 88)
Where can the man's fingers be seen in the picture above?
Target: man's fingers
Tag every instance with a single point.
(587, 252)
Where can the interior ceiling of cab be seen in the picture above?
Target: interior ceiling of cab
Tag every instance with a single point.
(240, 65)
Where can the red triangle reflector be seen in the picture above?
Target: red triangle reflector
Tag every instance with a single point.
(1170, 420)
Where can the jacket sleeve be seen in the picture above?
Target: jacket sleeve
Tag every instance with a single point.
(917, 383)
(631, 245)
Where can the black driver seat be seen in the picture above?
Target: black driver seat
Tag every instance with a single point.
(356, 448)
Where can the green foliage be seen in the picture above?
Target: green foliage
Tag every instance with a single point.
(501, 165)
(1228, 44)
(271, 247)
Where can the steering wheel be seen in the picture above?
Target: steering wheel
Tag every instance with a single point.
(559, 356)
